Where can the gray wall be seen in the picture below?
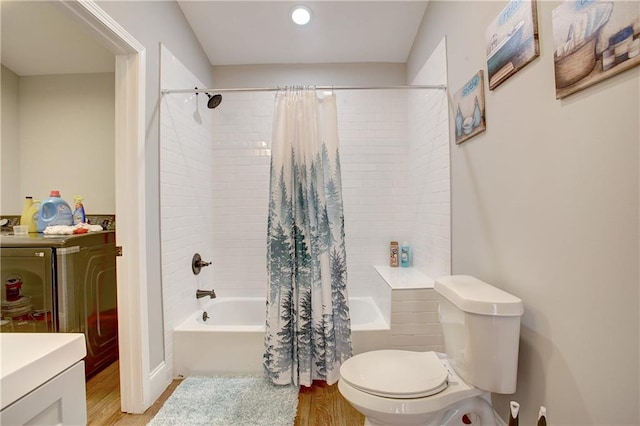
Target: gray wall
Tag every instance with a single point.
(67, 120)
(152, 23)
(347, 74)
(10, 146)
(545, 206)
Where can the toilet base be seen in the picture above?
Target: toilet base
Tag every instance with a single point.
(444, 408)
(476, 408)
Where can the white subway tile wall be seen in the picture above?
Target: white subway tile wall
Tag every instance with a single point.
(394, 158)
(242, 154)
(429, 168)
(414, 320)
(215, 189)
(186, 196)
(372, 125)
(414, 313)
(395, 177)
(374, 161)
(429, 185)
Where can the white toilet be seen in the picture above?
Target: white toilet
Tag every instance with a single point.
(481, 328)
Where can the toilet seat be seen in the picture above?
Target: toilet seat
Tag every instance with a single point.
(396, 373)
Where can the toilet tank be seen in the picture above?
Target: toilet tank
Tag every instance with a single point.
(481, 328)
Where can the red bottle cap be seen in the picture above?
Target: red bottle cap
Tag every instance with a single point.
(54, 193)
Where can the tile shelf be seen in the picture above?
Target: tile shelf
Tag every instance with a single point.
(404, 278)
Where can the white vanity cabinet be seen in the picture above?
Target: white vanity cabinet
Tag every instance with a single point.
(42, 379)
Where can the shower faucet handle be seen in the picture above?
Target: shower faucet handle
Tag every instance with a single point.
(197, 263)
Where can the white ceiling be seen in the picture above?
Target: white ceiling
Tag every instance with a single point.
(261, 32)
(37, 38)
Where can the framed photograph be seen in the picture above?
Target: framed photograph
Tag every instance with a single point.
(593, 40)
(511, 41)
(469, 106)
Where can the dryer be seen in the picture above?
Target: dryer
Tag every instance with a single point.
(62, 283)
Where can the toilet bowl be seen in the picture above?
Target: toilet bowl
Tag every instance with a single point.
(409, 388)
(481, 327)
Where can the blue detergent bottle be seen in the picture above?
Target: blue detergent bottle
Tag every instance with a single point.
(54, 211)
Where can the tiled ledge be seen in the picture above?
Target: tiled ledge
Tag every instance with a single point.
(404, 278)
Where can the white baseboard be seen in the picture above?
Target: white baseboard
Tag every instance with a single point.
(159, 380)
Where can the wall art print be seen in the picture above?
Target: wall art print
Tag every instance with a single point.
(511, 41)
(469, 106)
(593, 40)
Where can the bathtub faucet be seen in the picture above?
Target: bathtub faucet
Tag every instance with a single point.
(204, 293)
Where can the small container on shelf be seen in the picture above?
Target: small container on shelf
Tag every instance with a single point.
(78, 212)
(405, 255)
(394, 254)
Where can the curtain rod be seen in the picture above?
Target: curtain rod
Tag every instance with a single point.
(275, 89)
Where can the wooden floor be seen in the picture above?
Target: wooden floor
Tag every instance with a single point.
(318, 405)
(103, 400)
(323, 405)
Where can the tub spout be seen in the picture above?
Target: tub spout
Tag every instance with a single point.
(204, 293)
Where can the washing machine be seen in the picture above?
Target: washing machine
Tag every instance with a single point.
(62, 283)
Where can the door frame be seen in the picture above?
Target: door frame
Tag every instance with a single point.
(136, 393)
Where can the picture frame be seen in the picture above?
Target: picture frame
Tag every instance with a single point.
(469, 107)
(511, 41)
(593, 41)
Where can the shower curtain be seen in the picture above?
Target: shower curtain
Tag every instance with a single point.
(308, 331)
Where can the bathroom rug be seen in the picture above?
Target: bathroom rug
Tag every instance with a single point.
(229, 401)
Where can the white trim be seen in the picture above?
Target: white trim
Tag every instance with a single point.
(160, 379)
(108, 32)
(133, 321)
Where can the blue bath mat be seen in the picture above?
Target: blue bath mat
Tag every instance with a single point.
(229, 401)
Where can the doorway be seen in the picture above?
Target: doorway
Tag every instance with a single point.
(135, 388)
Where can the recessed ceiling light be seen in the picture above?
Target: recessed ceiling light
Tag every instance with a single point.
(301, 15)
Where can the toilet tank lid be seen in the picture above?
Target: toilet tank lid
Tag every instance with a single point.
(470, 294)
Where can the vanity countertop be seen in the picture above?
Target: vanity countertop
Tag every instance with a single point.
(27, 360)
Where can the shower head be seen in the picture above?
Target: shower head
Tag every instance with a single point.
(214, 100)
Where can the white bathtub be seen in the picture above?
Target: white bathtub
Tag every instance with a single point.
(231, 340)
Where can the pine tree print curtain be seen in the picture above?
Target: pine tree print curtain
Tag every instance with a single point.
(308, 331)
